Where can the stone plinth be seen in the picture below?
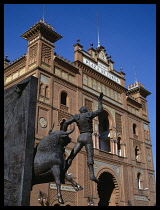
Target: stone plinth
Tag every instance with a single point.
(19, 128)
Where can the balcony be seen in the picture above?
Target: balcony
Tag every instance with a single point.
(43, 99)
(64, 108)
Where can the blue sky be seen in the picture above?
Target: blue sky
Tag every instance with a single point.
(127, 31)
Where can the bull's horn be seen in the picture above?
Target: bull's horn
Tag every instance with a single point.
(49, 132)
(69, 132)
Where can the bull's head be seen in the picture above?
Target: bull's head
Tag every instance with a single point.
(63, 135)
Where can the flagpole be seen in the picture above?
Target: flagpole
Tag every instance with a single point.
(98, 29)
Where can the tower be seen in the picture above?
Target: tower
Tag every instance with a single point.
(41, 38)
(138, 92)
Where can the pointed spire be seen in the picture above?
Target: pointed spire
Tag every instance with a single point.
(44, 7)
(98, 30)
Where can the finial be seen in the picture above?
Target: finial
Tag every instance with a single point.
(121, 68)
(78, 40)
(6, 59)
(91, 44)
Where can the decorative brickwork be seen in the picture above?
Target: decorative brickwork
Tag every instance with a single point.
(144, 106)
(118, 123)
(109, 92)
(63, 115)
(46, 54)
(68, 196)
(140, 203)
(87, 182)
(126, 187)
(44, 93)
(88, 104)
(151, 182)
(33, 53)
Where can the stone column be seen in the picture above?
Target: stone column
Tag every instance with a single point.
(112, 146)
(96, 140)
(115, 145)
(123, 145)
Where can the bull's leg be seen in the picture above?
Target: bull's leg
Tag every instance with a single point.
(56, 173)
(75, 184)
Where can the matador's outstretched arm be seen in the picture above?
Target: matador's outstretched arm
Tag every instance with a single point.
(100, 107)
(67, 122)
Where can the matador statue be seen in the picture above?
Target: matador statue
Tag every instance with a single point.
(84, 122)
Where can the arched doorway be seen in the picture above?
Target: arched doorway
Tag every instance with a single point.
(106, 190)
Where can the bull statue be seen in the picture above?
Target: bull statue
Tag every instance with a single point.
(49, 161)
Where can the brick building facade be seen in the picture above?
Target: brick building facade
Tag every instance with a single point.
(122, 149)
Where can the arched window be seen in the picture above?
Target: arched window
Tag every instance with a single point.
(103, 124)
(64, 98)
(134, 129)
(104, 138)
(137, 153)
(139, 180)
(46, 92)
(119, 146)
(41, 89)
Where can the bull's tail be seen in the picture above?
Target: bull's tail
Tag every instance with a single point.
(50, 131)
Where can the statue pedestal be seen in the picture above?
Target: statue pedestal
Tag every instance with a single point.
(19, 128)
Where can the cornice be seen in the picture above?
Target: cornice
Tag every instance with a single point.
(135, 117)
(133, 101)
(15, 63)
(66, 62)
(139, 89)
(44, 29)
